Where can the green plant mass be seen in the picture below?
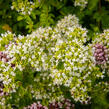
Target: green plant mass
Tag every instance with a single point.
(54, 54)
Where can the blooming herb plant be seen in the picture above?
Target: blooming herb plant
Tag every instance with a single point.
(51, 65)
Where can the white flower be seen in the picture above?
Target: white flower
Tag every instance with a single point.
(20, 67)
(33, 56)
(12, 73)
(58, 74)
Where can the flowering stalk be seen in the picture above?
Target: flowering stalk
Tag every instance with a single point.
(101, 54)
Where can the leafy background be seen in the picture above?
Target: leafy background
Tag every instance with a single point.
(95, 16)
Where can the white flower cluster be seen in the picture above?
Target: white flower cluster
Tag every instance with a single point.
(67, 28)
(32, 50)
(43, 89)
(81, 3)
(102, 38)
(24, 7)
(73, 67)
(66, 23)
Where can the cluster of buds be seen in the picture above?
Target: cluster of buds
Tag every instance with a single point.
(36, 106)
(65, 104)
(10, 42)
(100, 54)
(3, 57)
(2, 93)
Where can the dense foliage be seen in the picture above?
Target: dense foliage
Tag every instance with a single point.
(54, 54)
(24, 16)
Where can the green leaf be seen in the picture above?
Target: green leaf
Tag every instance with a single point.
(19, 18)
